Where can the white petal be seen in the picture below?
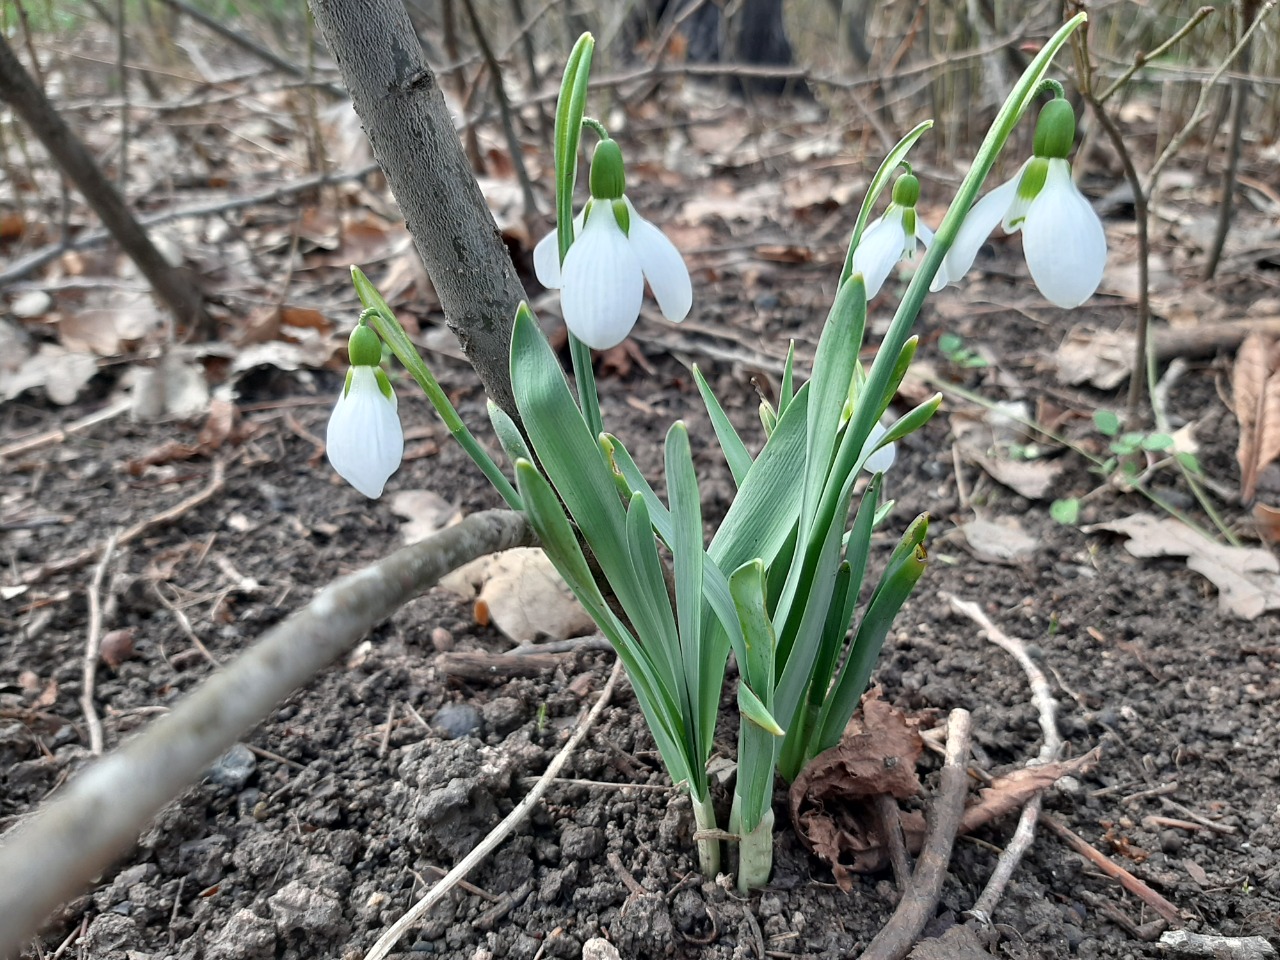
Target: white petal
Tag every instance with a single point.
(364, 442)
(602, 284)
(546, 260)
(1063, 239)
(881, 460)
(546, 256)
(982, 219)
(880, 247)
(663, 267)
(925, 236)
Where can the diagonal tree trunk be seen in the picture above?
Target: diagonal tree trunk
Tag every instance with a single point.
(404, 114)
(175, 286)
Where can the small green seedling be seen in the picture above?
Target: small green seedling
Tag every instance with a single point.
(953, 348)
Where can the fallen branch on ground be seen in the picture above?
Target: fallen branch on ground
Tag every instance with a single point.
(918, 903)
(99, 815)
(1235, 948)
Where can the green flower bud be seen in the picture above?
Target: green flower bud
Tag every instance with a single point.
(906, 191)
(1055, 130)
(364, 348)
(608, 180)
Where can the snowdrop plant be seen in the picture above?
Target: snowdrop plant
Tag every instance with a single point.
(1062, 237)
(778, 585)
(615, 251)
(893, 236)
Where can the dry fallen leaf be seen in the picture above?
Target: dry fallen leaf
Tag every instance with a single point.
(877, 755)
(1002, 541)
(989, 441)
(1097, 357)
(830, 800)
(1255, 386)
(1247, 578)
(958, 943)
(426, 513)
(523, 596)
(59, 371)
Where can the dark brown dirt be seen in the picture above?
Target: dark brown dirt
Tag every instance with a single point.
(350, 799)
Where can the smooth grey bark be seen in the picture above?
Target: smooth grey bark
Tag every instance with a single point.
(79, 833)
(400, 103)
(173, 285)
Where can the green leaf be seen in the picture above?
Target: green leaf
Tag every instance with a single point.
(950, 344)
(1188, 461)
(622, 464)
(766, 507)
(905, 567)
(688, 552)
(1108, 423)
(912, 420)
(1157, 441)
(509, 435)
(787, 390)
(653, 619)
(735, 451)
(753, 710)
(758, 733)
(657, 701)
(1066, 512)
(833, 366)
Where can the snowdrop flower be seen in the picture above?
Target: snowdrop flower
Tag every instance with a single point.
(1062, 237)
(880, 460)
(364, 442)
(893, 237)
(615, 250)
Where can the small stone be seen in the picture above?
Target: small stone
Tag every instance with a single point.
(598, 948)
(442, 640)
(456, 720)
(298, 907)
(770, 905)
(582, 843)
(110, 932)
(1170, 841)
(234, 768)
(246, 936)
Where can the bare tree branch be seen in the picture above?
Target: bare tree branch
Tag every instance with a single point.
(175, 286)
(404, 113)
(98, 816)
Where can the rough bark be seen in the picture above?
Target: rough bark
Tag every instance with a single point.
(78, 834)
(173, 285)
(404, 114)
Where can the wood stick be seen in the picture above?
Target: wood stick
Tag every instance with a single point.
(919, 902)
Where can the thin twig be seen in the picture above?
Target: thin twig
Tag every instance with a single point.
(1159, 904)
(1050, 750)
(34, 261)
(917, 905)
(75, 836)
(252, 46)
(59, 434)
(890, 818)
(386, 943)
(92, 646)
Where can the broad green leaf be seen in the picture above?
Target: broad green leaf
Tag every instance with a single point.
(1107, 422)
(735, 451)
(653, 620)
(758, 732)
(688, 553)
(833, 367)
(622, 463)
(911, 421)
(1157, 441)
(768, 503)
(754, 711)
(1066, 512)
(660, 706)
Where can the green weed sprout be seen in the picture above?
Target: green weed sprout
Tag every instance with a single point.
(779, 583)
